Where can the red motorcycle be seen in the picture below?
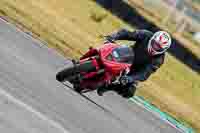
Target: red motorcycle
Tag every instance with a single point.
(98, 67)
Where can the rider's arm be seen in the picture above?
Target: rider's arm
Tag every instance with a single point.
(145, 73)
(124, 34)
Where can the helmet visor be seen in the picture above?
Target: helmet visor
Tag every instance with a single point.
(156, 46)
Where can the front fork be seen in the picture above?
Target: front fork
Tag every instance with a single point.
(77, 80)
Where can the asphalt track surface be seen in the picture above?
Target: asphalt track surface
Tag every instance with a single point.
(32, 101)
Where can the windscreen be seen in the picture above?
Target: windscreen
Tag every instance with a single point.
(123, 54)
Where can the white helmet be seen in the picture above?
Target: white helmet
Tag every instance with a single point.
(159, 43)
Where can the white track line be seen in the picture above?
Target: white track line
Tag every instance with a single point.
(30, 109)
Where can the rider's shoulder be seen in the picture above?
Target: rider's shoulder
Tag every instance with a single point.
(159, 59)
(145, 31)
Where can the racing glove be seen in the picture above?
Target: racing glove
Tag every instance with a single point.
(109, 39)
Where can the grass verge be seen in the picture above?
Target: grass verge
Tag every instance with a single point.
(152, 15)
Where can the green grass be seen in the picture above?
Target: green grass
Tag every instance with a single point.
(175, 89)
(189, 36)
(72, 26)
(150, 13)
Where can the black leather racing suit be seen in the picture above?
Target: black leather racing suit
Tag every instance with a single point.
(144, 64)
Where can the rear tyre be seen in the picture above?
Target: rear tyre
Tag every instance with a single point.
(129, 92)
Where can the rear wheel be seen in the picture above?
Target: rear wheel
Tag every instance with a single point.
(73, 71)
(130, 91)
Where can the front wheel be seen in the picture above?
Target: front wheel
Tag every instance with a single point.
(75, 70)
(62, 75)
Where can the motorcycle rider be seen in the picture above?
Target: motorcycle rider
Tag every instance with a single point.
(149, 52)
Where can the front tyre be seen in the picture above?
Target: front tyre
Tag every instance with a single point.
(62, 75)
(75, 70)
